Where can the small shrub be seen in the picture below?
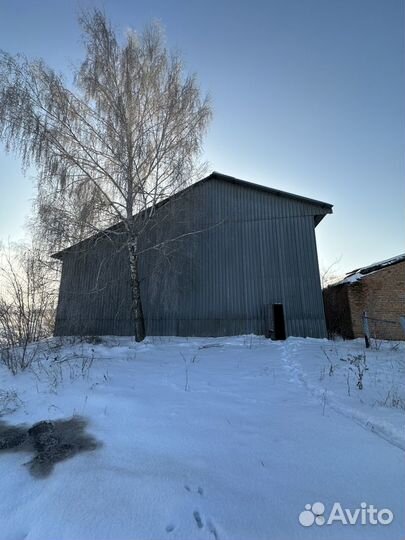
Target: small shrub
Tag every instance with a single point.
(26, 306)
(9, 402)
(331, 364)
(394, 400)
(358, 366)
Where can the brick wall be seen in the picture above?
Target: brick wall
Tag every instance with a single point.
(382, 295)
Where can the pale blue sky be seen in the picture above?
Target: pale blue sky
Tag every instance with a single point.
(308, 97)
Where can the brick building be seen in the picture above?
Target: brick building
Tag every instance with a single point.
(378, 289)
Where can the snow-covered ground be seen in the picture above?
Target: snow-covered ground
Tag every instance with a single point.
(209, 439)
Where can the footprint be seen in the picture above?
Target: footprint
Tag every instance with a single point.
(212, 529)
(200, 490)
(170, 527)
(187, 487)
(198, 519)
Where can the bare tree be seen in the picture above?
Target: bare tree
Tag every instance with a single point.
(109, 148)
(328, 274)
(27, 304)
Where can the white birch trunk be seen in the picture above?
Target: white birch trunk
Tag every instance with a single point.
(137, 310)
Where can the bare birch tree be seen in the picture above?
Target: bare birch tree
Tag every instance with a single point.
(27, 304)
(108, 148)
(328, 274)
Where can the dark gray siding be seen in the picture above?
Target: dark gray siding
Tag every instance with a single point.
(94, 292)
(252, 249)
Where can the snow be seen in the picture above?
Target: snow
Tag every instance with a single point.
(208, 439)
(352, 278)
(379, 406)
(360, 273)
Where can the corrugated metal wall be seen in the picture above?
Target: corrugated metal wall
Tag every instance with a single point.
(253, 248)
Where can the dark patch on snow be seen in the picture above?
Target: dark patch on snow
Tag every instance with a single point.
(51, 441)
(213, 530)
(198, 519)
(12, 437)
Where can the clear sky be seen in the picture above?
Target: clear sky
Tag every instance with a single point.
(308, 97)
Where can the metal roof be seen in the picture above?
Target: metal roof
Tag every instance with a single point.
(261, 187)
(356, 275)
(231, 179)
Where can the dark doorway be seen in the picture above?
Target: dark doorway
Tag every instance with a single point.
(278, 318)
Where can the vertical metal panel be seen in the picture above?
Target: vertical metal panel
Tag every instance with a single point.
(254, 248)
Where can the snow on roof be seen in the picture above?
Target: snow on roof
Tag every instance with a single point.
(359, 273)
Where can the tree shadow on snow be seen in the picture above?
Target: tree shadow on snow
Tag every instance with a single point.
(50, 441)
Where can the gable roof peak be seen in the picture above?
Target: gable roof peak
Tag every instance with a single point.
(215, 175)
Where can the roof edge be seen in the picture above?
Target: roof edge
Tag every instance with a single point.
(358, 274)
(261, 187)
(220, 176)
